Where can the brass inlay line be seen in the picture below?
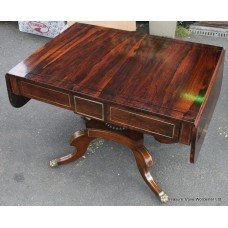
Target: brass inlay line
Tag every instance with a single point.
(96, 102)
(43, 99)
(173, 125)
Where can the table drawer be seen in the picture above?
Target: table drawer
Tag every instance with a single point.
(90, 108)
(145, 123)
(45, 94)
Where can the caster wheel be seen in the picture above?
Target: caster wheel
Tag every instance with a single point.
(163, 197)
(53, 163)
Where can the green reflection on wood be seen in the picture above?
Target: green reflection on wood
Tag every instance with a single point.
(196, 98)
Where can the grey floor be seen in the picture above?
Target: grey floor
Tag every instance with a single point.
(107, 175)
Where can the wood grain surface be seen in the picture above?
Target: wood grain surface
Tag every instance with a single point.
(150, 73)
(158, 78)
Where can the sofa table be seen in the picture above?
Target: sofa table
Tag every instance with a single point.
(125, 85)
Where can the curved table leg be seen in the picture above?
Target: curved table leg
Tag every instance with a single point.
(145, 162)
(142, 156)
(81, 141)
(133, 140)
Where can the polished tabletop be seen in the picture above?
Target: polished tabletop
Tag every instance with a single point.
(155, 74)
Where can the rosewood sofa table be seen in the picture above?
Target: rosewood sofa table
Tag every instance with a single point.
(125, 85)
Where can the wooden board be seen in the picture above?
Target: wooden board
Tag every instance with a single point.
(172, 80)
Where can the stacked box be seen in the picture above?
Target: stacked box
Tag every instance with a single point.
(43, 28)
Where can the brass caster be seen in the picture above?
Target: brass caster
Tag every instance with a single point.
(53, 163)
(163, 197)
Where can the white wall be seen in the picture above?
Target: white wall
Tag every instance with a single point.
(163, 28)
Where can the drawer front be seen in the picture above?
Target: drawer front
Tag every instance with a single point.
(45, 94)
(89, 108)
(148, 124)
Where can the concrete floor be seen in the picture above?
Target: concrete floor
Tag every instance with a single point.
(107, 175)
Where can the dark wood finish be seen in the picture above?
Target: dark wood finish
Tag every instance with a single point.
(131, 139)
(149, 73)
(14, 85)
(200, 129)
(81, 141)
(16, 101)
(154, 85)
(147, 123)
(185, 133)
(89, 108)
(45, 94)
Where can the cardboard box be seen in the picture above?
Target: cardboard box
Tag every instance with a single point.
(43, 28)
(124, 25)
